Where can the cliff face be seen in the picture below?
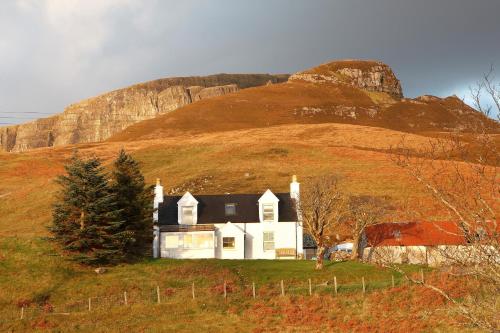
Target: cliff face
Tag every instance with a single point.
(368, 75)
(98, 118)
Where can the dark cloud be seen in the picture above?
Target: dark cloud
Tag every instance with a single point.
(55, 52)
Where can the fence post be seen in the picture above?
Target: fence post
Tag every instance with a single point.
(422, 275)
(22, 312)
(392, 278)
(225, 290)
(335, 284)
(310, 287)
(158, 293)
(253, 289)
(125, 298)
(192, 289)
(363, 281)
(282, 288)
(90, 304)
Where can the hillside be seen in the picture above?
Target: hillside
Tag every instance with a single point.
(243, 142)
(240, 161)
(247, 160)
(98, 118)
(354, 92)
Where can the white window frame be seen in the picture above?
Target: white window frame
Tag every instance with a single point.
(271, 206)
(268, 244)
(226, 247)
(184, 215)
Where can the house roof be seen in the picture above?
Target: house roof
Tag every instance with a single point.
(211, 208)
(414, 234)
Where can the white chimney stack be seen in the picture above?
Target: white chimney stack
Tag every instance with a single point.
(158, 198)
(156, 230)
(294, 188)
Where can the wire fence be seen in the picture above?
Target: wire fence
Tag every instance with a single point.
(196, 290)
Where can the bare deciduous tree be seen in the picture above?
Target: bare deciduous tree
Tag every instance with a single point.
(486, 94)
(461, 173)
(322, 208)
(363, 212)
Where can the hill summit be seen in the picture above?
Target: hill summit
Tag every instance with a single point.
(368, 75)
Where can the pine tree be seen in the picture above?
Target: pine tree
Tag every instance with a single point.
(134, 201)
(86, 217)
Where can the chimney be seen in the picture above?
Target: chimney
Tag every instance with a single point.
(158, 198)
(294, 188)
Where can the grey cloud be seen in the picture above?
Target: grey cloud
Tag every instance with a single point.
(53, 54)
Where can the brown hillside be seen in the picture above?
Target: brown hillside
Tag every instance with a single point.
(239, 161)
(302, 102)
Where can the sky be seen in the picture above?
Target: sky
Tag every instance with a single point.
(57, 52)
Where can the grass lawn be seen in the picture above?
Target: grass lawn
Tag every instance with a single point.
(33, 272)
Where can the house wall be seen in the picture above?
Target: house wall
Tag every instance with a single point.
(230, 230)
(426, 255)
(249, 241)
(396, 254)
(284, 237)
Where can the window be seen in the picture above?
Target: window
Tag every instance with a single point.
(228, 243)
(230, 209)
(187, 215)
(268, 240)
(268, 212)
(189, 241)
(171, 241)
(203, 241)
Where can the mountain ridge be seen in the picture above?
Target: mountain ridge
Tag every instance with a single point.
(356, 92)
(97, 118)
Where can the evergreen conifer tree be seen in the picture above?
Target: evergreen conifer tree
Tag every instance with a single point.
(86, 217)
(134, 201)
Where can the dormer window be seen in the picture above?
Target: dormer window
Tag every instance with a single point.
(268, 212)
(187, 214)
(230, 209)
(187, 210)
(268, 207)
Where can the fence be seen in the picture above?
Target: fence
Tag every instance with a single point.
(224, 291)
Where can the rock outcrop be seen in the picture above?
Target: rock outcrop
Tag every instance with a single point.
(98, 118)
(368, 75)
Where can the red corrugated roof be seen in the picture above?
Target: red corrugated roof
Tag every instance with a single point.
(414, 234)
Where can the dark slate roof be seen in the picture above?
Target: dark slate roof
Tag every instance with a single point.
(211, 208)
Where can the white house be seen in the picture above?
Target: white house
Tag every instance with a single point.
(227, 226)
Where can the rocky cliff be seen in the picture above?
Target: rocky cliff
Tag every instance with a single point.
(347, 91)
(368, 75)
(98, 118)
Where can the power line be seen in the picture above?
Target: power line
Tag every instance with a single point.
(28, 112)
(7, 117)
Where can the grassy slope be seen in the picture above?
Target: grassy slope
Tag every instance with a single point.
(67, 287)
(243, 142)
(31, 268)
(218, 163)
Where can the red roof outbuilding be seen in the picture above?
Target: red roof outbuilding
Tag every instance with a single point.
(415, 234)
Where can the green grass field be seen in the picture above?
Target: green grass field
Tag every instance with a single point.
(32, 272)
